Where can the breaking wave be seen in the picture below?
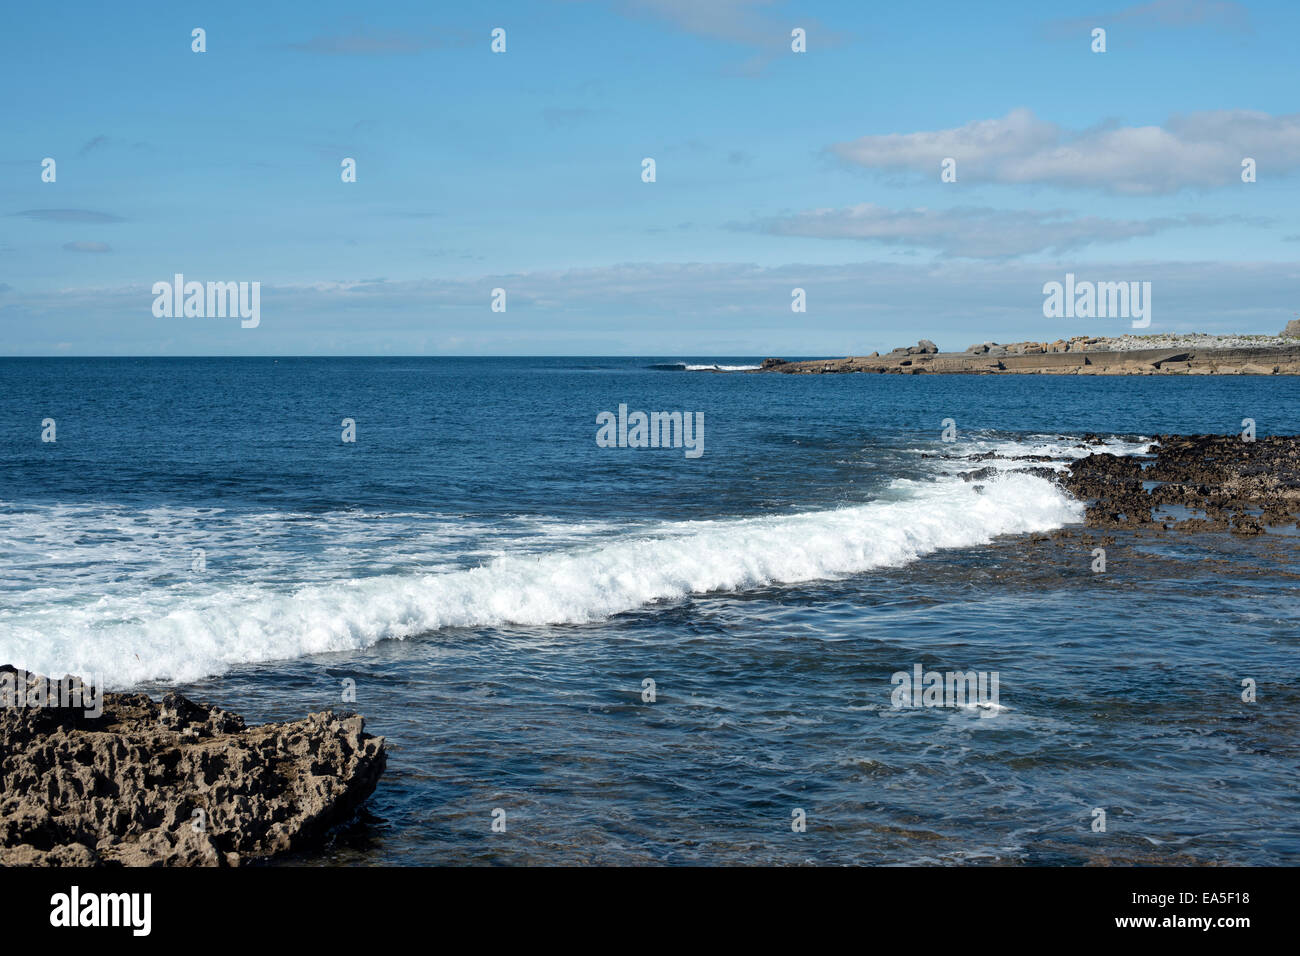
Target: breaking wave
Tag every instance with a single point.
(183, 633)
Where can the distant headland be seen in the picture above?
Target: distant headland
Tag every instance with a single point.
(1079, 355)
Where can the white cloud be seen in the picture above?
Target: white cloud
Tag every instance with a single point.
(1200, 150)
(970, 232)
(983, 141)
(652, 308)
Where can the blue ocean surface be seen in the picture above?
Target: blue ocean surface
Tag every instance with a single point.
(646, 657)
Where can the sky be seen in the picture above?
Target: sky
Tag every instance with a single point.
(522, 170)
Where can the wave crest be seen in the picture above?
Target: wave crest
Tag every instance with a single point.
(208, 634)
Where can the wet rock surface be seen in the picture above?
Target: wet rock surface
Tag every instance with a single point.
(1213, 482)
(169, 783)
(1235, 485)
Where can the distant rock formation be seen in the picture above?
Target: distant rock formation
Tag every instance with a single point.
(1292, 330)
(174, 783)
(1078, 343)
(923, 347)
(1078, 355)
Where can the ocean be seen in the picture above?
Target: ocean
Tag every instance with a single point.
(628, 655)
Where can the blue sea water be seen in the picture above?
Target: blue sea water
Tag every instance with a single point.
(500, 588)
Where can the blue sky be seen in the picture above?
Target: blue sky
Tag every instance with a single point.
(522, 170)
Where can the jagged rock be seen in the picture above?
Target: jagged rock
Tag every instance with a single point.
(1240, 486)
(1292, 330)
(1245, 524)
(926, 347)
(174, 783)
(773, 363)
(1216, 474)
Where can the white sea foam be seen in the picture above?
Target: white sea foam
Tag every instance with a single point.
(195, 628)
(1061, 449)
(707, 368)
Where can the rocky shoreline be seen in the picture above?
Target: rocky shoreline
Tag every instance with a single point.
(134, 782)
(169, 783)
(1188, 483)
(1078, 355)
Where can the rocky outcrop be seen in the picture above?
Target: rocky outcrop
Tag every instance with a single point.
(1078, 343)
(1292, 330)
(170, 783)
(1073, 357)
(1225, 482)
(1112, 484)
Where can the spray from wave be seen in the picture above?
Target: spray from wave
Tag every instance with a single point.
(243, 623)
(687, 367)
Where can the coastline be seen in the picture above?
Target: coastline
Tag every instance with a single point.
(1170, 361)
(221, 793)
(1079, 355)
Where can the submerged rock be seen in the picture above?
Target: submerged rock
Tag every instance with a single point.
(170, 783)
